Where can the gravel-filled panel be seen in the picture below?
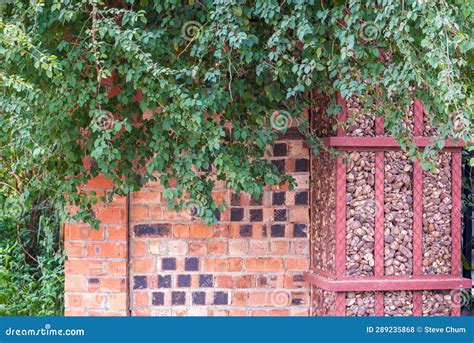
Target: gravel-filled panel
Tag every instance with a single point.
(398, 208)
(398, 303)
(437, 217)
(324, 303)
(359, 122)
(360, 304)
(436, 303)
(323, 203)
(360, 224)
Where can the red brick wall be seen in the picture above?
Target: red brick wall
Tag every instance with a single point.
(250, 264)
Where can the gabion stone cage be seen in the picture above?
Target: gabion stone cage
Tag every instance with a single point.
(385, 234)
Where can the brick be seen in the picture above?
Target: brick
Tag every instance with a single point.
(239, 299)
(74, 249)
(112, 250)
(181, 231)
(145, 197)
(279, 248)
(168, 263)
(221, 298)
(223, 281)
(256, 215)
(223, 264)
(280, 149)
(156, 213)
(143, 265)
(236, 214)
(73, 283)
(139, 214)
(82, 233)
(264, 264)
(197, 249)
(117, 301)
(297, 264)
(259, 248)
(158, 248)
(245, 231)
(164, 281)
(299, 215)
(111, 215)
(184, 280)
(116, 233)
(85, 267)
(206, 280)
(199, 298)
(257, 299)
(140, 282)
(178, 298)
(217, 248)
(191, 264)
(302, 165)
(238, 247)
(279, 215)
(152, 230)
(277, 230)
(301, 198)
(200, 231)
(140, 299)
(300, 230)
(158, 298)
(299, 248)
(177, 247)
(278, 198)
(116, 268)
(243, 281)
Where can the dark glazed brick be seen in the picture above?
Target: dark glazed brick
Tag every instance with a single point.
(191, 264)
(236, 214)
(278, 230)
(217, 214)
(164, 281)
(299, 230)
(139, 282)
(205, 280)
(221, 298)
(278, 198)
(301, 198)
(158, 298)
(184, 280)
(280, 164)
(280, 149)
(279, 215)
(199, 298)
(178, 298)
(296, 301)
(152, 230)
(246, 230)
(256, 215)
(94, 281)
(302, 165)
(235, 199)
(168, 263)
(298, 278)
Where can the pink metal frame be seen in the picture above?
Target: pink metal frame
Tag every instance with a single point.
(340, 283)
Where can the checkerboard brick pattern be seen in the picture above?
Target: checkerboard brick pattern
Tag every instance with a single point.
(170, 264)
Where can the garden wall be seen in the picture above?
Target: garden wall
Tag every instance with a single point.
(146, 260)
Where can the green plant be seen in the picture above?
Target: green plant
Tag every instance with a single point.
(145, 89)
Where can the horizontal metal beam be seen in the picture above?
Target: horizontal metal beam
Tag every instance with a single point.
(387, 283)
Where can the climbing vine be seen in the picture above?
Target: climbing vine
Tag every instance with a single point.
(195, 92)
